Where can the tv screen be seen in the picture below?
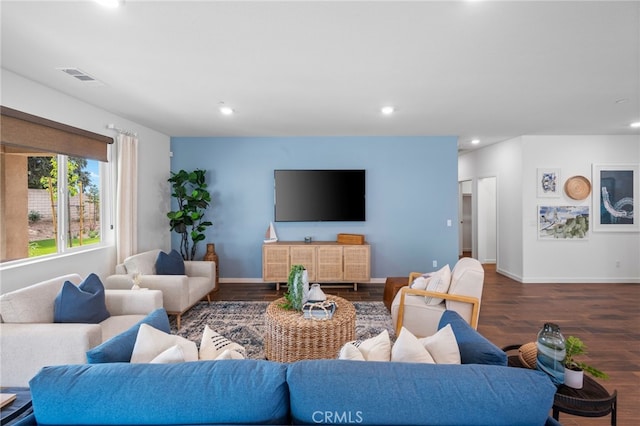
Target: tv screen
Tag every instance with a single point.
(319, 195)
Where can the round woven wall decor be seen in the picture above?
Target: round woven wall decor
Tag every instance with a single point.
(577, 187)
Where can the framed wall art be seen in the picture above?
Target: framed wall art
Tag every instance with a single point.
(563, 222)
(615, 197)
(548, 182)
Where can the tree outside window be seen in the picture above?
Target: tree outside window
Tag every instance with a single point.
(73, 220)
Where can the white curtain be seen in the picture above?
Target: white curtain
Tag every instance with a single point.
(127, 197)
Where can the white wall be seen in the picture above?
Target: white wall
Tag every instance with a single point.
(487, 220)
(520, 254)
(593, 260)
(153, 190)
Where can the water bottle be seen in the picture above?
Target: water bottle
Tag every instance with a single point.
(551, 352)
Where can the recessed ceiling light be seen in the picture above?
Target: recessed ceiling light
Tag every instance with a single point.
(635, 125)
(110, 3)
(225, 110)
(387, 110)
(475, 141)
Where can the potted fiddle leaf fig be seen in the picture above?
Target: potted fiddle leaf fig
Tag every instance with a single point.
(574, 370)
(190, 192)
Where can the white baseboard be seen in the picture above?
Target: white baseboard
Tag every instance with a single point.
(261, 281)
(570, 280)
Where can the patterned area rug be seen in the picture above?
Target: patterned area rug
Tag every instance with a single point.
(243, 322)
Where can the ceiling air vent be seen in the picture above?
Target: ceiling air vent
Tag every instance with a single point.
(81, 76)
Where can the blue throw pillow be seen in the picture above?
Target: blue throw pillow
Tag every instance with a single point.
(474, 347)
(84, 303)
(170, 264)
(119, 348)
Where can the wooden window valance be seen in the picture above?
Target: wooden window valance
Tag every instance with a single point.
(19, 130)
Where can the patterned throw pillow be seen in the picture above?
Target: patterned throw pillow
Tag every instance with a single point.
(439, 282)
(214, 346)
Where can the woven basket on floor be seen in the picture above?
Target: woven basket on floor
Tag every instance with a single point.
(528, 354)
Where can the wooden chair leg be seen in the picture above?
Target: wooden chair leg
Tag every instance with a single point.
(209, 298)
(178, 318)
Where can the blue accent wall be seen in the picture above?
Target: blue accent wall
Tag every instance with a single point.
(411, 185)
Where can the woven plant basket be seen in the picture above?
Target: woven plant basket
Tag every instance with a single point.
(528, 354)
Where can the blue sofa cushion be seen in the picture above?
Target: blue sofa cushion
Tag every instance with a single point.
(474, 347)
(396, 393)
(119, 348)
(204, 392)
(170, 264)
(84, 303)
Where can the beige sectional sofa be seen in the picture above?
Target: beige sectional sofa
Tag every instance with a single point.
(30, 340)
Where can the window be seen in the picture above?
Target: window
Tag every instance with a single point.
(49, 187)
(69, 221)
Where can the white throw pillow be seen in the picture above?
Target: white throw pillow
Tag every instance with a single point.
(442, 346)
(213, 345)
(172, 355)
(151, 342)
(230, 354)
(421, 282)
(439, 282)
(376, 348)
(350, 352)
(408, 348)
(142, 263)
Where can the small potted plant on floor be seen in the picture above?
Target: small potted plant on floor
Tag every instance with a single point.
(574, 370)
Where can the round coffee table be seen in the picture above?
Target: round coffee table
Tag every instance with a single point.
(290, 337)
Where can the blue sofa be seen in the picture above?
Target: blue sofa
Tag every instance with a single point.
(481, 391)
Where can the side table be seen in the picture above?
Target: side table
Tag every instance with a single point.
(593, 400)
(18, 408)
(391, 287)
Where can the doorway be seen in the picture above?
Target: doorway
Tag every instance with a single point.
(465, 213)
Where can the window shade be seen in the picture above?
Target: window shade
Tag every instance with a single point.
(25, 131)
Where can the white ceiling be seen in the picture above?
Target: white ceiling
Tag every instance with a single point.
(491, 70)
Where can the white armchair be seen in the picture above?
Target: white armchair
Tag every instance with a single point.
(179, 292)
(410, 310)
(30, 340)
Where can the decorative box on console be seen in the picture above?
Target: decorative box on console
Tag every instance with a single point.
(350, 238)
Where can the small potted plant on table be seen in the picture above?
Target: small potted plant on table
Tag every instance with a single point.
(574, 370)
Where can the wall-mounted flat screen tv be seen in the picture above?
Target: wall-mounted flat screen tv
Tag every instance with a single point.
(319, 195)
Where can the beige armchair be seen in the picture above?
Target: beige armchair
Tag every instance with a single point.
(179, 292)
(410, 309)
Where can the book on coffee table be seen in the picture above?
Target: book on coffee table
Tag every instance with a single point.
(6, 399)
(319, 310)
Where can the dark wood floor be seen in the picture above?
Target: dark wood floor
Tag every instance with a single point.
(605, 316)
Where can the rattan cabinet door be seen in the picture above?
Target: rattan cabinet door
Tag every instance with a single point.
(357, 263)
(305, 256)
(329, 260)
(275, 263)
